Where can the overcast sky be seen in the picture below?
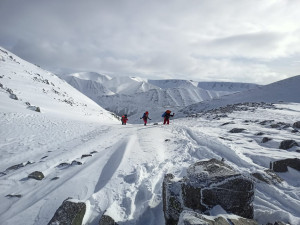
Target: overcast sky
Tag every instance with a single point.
(221, 40)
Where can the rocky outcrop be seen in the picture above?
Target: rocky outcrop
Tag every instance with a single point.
(207, 184)
(193, 218)
(282, 165)
(287, 144)
(107, 220)
(70, 213)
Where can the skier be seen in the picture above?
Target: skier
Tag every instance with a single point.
(124, 119)
(145, 117)
(166, 116)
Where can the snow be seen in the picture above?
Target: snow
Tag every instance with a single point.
(134, 95)
(123, 174)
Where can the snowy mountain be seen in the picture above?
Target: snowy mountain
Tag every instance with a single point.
(133, 95)
(81, 152)
(285, 90)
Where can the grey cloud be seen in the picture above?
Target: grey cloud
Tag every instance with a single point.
(200, 39)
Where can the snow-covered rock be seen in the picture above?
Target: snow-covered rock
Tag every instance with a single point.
(208, 184)
(69, 212)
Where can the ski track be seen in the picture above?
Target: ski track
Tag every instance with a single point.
(129, 163)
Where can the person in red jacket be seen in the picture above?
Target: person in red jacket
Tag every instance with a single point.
(145, 117)
(166, 116)
(124, 119)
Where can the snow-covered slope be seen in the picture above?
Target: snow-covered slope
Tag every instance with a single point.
(226, 86)
(128, 85)
(34, 87)
(173, 83)
(285, 90)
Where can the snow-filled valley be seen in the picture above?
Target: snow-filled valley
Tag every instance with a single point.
(86, 154)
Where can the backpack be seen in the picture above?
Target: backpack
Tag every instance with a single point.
(164, 114)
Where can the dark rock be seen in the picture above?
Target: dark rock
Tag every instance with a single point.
(166, 140)
(227, 139)
(13, 196)
(287, 144)
(76, 163)
(207, 184)
(69, 213)
(266, 139)
(2, 174)
(171, 199)
(63, 165)
(294, 131)
(266, 122)
(274, 125)
(86, 155)
(55, 178)
(268, 176)
(237, 130)
(282, 165)
(107, 220)
(34, 108)
(37, 175)
(227, 123)
(259, 133)
(15, 167)
(93, 152)
(280, 125)
(296, 125)
(13, 96)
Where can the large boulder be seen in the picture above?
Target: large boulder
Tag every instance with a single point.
(193, 218)
(287, 144)
(296, 125)
(37, 175)
(69, 213)
(282, 165)
(207, 184)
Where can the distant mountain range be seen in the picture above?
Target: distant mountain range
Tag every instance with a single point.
(133, 95)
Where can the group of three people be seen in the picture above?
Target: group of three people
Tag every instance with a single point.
(166, 115)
